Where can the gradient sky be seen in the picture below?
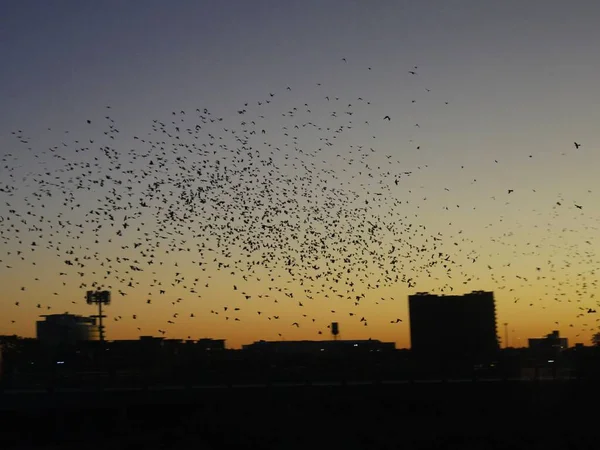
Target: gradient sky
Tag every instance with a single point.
(502, 91)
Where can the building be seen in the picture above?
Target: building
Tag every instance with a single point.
(546, 358)
(156, 347)
(66, 329)
(337, 346)
(549, 346)
(201, 345)
(454, 326)
(210, 344)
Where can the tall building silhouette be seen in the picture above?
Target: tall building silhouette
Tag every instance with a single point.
(454, 326)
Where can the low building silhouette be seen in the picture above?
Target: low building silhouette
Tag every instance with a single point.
(210, 344)
(547, 358)
(552, 342)
(66, 329)
(159, 347)
(334, 346)
(549, 347)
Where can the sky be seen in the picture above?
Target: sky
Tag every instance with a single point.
(298, 163)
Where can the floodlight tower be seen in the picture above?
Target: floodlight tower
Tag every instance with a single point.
(335, 330)
(99, 298)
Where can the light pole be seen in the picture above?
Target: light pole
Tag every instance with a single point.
(506, 334)
(99, 298)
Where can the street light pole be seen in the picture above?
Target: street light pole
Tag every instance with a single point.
(506, 334)
(100, 298)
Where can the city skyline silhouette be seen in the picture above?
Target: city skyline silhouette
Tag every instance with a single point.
(259, 173)
(468, 319)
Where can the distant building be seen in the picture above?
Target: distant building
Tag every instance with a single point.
(206, 344)
(152, 344)
(453, 326)
(336, 346)
(151, 340)
(210, 344)
(547, 357)
(66, 329)
(549, 346)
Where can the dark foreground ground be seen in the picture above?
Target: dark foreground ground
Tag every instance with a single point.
(484, 415)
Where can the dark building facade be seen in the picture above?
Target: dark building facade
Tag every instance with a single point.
(454, 326)
(317, 347)
(549, 347)
(66, 329)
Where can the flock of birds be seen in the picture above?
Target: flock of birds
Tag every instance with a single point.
(273, 208)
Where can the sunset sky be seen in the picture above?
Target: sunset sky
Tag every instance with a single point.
(342, 155)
